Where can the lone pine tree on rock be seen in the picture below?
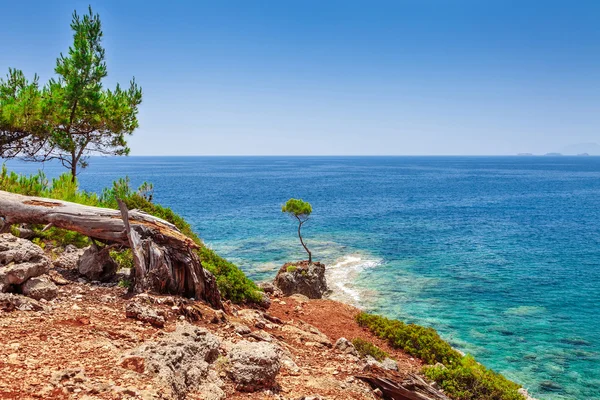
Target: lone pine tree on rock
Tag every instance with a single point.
(300, 210)
(73, 116)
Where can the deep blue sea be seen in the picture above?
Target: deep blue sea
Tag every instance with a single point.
(500, 254)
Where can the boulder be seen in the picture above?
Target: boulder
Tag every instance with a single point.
(96, 264)
(265, 301)
(303, 278)
(20, 260)
(345, 346)
(40, 287)
(267, 287)
(254, 366)
(182, 360)
(69, 257)
(11, 302)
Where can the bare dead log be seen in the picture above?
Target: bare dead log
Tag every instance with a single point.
(165, 260)
(393, 386)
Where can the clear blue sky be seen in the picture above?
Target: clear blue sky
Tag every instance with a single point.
(338, 77)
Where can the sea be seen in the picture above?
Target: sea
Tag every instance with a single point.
(501, 255)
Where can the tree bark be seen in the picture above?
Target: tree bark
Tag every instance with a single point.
(302, 241)
(165, 260)
(396, 387)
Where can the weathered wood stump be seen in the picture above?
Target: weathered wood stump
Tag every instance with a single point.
(397, 386)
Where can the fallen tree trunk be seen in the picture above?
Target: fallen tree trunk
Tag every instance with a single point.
(165, 260)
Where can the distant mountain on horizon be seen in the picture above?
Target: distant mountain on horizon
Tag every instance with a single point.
(591, 148)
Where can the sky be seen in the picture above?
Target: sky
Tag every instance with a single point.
(282, 77)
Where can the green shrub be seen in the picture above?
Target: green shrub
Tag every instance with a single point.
(460, 376)
(231, 281)
(291, 268)
(61, 237)
(470, 380)
(123, 258)
(39, 242)
(125, 283)
(415, 340)
(365, 348)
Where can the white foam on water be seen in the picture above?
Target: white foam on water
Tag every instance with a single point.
(342, 274)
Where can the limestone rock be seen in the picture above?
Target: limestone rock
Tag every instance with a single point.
(133, 363)
(387, 363)
(267, 287)
(211, 389)
(219, 316)
(144, 313)
(265, 301)
(302, 278)
(96, 264)
(182, 359)
(306, 333)
(20, 260)
(69, 258)
(241, 329)
(40, 287)
(299, 298)
(11, 302)
(254, 366)
(345, 346)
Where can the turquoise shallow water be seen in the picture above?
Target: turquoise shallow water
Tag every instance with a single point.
(500, 254)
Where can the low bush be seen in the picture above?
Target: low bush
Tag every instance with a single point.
(470, 380)
(461, 377)
(365, 348)
(123, 258)
(125, 283)
(232, 282)
(291, 268)
(415, 340)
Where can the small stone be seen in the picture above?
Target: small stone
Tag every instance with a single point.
(40, 288)
(267, 287)
(219, 316)
(241, 329)
(144, 313)
(11, 302)
(389, 364)
(133, 363)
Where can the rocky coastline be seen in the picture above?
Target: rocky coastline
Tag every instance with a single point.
(72, 332)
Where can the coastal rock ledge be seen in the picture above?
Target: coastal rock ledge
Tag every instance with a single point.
(303, 278)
